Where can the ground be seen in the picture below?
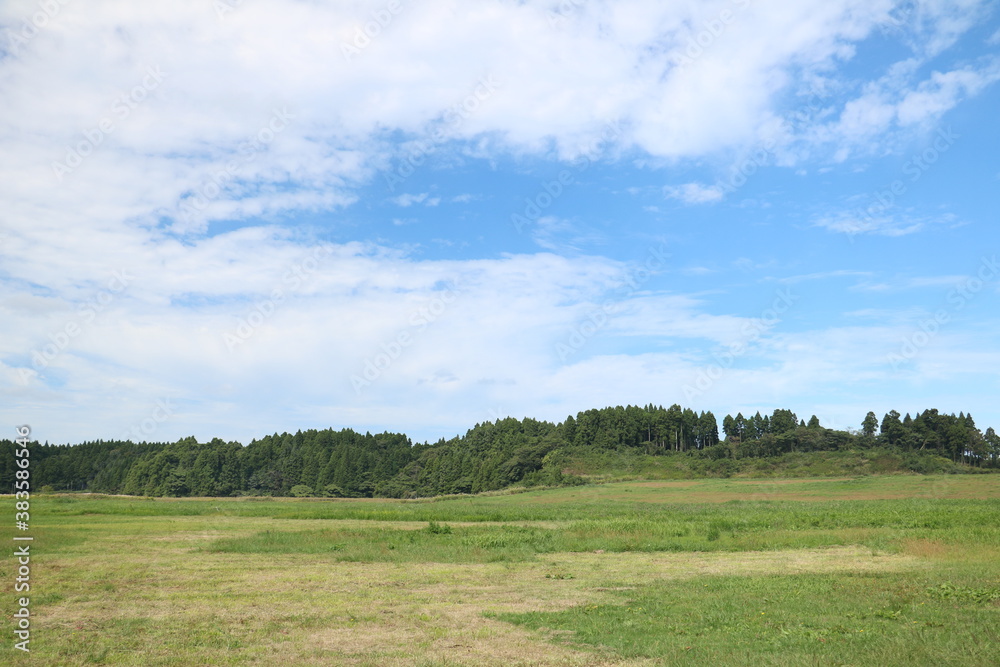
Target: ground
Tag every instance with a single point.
(876, 570)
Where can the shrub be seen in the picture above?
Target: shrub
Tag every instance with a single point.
(438, 528)
(302, 491)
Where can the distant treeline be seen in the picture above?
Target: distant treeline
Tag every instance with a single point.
(490, 456)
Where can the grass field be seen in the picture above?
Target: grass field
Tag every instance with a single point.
(895, 570)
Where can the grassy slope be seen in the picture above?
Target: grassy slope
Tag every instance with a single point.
(869, 571)
(604, 465)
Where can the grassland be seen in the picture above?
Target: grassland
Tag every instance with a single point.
(886, 570)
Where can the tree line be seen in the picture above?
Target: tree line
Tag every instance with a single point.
(490, 456)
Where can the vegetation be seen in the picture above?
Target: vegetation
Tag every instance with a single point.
(671, 442)
(878, 570)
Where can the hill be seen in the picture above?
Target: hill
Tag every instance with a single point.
(630, 442)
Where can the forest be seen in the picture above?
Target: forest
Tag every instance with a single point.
(490, 456)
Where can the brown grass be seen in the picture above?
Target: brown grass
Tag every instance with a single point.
(293, 610)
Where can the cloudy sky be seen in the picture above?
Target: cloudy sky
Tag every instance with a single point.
(238, 217)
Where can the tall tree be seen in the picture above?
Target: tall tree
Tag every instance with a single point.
(869, 425)
(892, 428)
(783, 421)
(740, 424)
(729, 426)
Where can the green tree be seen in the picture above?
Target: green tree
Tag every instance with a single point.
(869, 425)
(729, 426)
(892, 428)
(740, 425)
(992, 441)
(708, 430)
(783, 421)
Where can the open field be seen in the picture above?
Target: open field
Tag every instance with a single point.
(869, 571)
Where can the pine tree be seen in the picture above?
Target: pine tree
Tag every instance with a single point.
(869, 425)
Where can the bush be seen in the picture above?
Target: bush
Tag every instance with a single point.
(438, 528)
(302, 491)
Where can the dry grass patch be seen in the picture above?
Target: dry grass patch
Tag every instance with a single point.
(637, 568)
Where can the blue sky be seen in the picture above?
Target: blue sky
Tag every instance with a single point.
(231, 219)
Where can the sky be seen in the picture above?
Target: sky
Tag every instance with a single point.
(233, 218)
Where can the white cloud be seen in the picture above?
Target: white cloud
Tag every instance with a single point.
(259, 114)
(694, 193)
(939, 23)
(489, 72)
(898, 103)
(857, 223)
(563, 235)
(825, 275)
(424, 198)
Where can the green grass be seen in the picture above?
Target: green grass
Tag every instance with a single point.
(859, 571)
(734, 526)
(881, 619)
(606, 465)
(485, 544)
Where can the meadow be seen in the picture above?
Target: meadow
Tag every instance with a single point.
(877, 570)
